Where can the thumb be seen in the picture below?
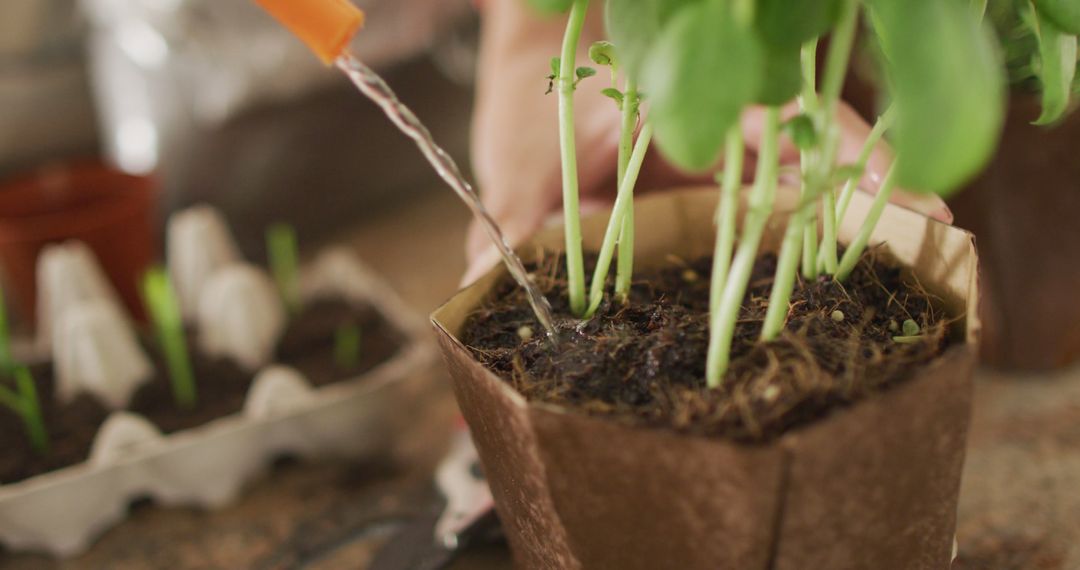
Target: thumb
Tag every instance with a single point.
(481, 253)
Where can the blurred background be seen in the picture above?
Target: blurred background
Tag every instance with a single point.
(210, 101)
(220, 105)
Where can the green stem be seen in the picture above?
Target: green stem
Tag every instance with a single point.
(808, 103)
(762, 196)
(858, 245)
(24, 402)
(624, 270)
(284, 262)
(836, 66)
(6, 362)
(784, 281)
(575, 264)
(164, 311)
(880, 126)
(623, 201)
(347, 346)
(31, 410)
(810, 259)
(726, 211)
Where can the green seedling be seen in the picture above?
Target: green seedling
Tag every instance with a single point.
(23, 400)
(7, 363)
(911, 333)
(164, 311)
(347, 346)
(284, 263)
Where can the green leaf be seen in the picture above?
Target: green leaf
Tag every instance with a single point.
(602, 53)
(635, 25)
(583, 72)
(550, 6)
(910, 328)
(948, 88)
(1057, 67)
(787, 25)
(1064, 13)
(800, 129)
(555, 64)
(613, 93)
(704, 69)
(782, 77)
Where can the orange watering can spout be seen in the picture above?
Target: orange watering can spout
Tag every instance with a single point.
(326, 26)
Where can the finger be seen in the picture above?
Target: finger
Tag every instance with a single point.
(853, 134)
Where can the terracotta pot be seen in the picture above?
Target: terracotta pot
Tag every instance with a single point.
(871, 486)
(110, 211)
(1024, 210)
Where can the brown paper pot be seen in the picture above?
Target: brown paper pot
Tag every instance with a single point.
(872, 486)
(112, 212)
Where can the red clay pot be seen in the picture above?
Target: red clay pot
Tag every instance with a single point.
(109, 210)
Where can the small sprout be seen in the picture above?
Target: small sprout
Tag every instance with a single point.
(893, 327)
(284, 261)
(602, 53)
(800, 129)
(555, 62)
(582, 73)
(614, 94)
(525, 333)
(837, 316)
(347, 346)
(911, 328)
(23, 400)
(164, 311)
(911, 333)
(6, 362)
(689, 275)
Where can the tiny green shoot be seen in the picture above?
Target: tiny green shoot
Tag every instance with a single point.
(7, 363)
(164, 311)
(347, 346)
(23, 400)
(284, 262)
(911, 332)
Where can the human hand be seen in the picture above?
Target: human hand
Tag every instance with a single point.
(515, 144)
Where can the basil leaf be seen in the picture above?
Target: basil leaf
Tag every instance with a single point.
(634, 25)
(948, 87)
(1057, 67)
(789, 24)
(1063, 13)
(704, 69)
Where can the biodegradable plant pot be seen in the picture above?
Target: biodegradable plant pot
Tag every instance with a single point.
(1023, 209)
(870, 486)
(110, 211)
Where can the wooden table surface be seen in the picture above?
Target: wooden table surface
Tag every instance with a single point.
(1020, 505)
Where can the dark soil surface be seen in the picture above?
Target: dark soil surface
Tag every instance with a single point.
(644, 361)
(71, 430)
(308, 344)
(221, 387)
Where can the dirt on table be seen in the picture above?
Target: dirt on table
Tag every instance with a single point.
(221, 386)
(643, 361)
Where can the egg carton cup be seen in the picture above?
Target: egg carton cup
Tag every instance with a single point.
(63, 511)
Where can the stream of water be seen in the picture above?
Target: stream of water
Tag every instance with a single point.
(370, 84)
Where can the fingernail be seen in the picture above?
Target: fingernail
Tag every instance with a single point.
(479, 266)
